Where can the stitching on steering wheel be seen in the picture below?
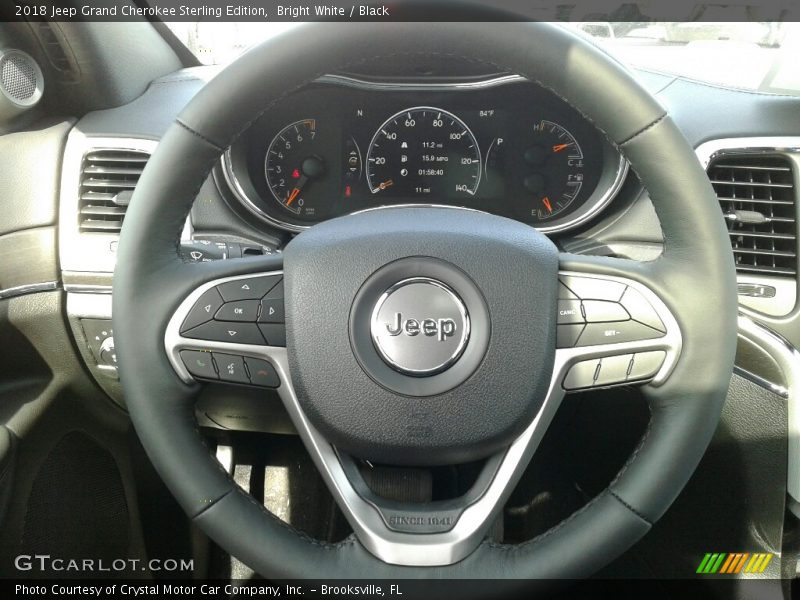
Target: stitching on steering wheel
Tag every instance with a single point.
(549, 532)
(629, 507)
(635, 453)
(200, 135)
(642, 130)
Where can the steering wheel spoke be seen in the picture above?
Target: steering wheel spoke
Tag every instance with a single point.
(204, 345)
(612, 328)
(231, 329)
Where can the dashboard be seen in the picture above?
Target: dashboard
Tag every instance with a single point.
(343, 145)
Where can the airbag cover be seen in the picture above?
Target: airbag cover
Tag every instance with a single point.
(505, 272)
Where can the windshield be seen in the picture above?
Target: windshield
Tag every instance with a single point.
(748, 55)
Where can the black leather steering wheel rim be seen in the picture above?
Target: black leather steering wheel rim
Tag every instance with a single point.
(694, 277)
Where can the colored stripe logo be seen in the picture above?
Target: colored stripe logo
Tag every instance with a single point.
(734, 563)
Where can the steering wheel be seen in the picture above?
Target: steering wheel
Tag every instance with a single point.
(427, 335)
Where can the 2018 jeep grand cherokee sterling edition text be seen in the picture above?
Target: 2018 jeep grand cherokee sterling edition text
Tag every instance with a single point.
(399, 301)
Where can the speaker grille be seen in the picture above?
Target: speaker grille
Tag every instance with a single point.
(77, 506)
(18, 76)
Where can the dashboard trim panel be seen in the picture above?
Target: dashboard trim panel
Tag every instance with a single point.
(363, 84)
(788, 359)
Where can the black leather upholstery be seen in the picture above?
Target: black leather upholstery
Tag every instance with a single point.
(695, 278)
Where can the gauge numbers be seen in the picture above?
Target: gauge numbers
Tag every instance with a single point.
(293, 166)
(423, 152)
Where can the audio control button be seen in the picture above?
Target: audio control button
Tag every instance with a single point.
(231, 368)
(646, 364)
(252, 288)
(271, 311)
(203, 310)
(227, 331)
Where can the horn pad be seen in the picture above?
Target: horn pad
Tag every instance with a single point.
(421, 336)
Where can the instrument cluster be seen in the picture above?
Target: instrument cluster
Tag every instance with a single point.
(505, 146)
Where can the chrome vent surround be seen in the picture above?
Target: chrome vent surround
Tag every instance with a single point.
(108, 178)
(757, 194)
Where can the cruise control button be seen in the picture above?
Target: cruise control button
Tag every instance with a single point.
(613, 369)
(646, 364)
(275, 334)
(591, 288)
(581, 375)
(231, 368)
(226, 331)
(203, 310)
(248, 289)
(567, 335)
(271, 311)
(615, 333)
(262, 373)
(569, 311)
(641, 310)
(602, 311)
(564, 293)
(199, 364)
(243, 310)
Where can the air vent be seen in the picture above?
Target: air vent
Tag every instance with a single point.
(54, 46)
(757, 196)
(107, 181)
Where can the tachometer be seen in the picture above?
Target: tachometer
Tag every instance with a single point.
(293, 167)
(426, 152)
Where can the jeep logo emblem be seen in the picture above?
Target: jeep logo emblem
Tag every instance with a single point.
(420, 326)
(441, 328)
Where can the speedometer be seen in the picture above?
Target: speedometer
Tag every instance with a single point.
(425, 152)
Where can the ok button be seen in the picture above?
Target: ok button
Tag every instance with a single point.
(243, 310)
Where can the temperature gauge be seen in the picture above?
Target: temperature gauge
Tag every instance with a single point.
(554, 162)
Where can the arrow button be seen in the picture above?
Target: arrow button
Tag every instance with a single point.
(203, 310)
(227, 331)
(252, 288)
(272, 311)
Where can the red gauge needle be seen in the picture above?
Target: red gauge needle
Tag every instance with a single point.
(560, 147)
(547, 205)
(386, 184)
(296, 191)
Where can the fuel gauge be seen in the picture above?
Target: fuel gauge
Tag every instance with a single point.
(554, 167)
